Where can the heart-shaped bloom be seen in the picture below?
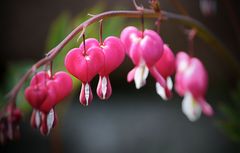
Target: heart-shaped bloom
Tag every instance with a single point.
(45, 91)
(144, 49)
(114, 53)
(43, 94)
(166, 67)
(84, 63)
(191, 81)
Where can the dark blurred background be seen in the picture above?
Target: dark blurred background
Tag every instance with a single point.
(132, 120)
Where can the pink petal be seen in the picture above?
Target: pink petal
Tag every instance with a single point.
(130, 76)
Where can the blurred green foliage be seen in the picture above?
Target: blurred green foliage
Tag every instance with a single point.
(230, 120)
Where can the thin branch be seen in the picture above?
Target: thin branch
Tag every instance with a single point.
(181, 9)
(203, 33)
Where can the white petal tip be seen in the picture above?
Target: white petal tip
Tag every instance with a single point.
(50, 119)
(160, 91)
(104, 87)
(38, 118)
(169, 83)
(87, 93)
(140, 76)
(191, 108)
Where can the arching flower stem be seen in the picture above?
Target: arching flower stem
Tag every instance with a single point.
(203, 33)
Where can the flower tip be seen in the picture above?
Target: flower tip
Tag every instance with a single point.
(207, 110)
(104, 88)
(130, 76)
(164, 93)
(86, 95)
(140, 76)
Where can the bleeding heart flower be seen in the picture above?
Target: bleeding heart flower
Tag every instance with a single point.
(166, 67)
(43, 94)
(144, 49)
(114, 53)
(45, 91)
(59, 86)
(191, 81)
(84, 64)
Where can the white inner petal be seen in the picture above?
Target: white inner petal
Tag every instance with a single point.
(87, 93)
(169, 83)
(140, 76)
(190, 107)
(50, 120)
(104, 87)
(160, 91)
(37, 118)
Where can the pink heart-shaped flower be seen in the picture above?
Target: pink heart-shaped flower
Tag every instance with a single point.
(114, 53)
(146, 47)
(45, 92)
(84, 67)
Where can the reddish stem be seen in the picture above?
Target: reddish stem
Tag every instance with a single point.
(142, 23)
(84, 45)
(101, 32)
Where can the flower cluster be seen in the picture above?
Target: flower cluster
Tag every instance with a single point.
(44, 92)
(93, 58)
(148, 53)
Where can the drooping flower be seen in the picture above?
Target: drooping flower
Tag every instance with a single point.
(43, 94)
(145, 49)
(191, 81)
(46, 91)
(84, 63)
(166, 67)
(114, 53)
